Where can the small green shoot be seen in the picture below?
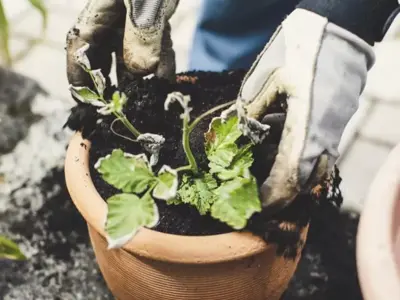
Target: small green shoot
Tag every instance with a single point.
(114, 106)
(185, 116)
(10, 250)
(97, 98)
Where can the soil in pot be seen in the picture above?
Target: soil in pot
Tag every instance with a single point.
(145, 109)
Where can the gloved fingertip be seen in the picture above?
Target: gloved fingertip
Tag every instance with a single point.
(139, 65)
(274, 119)
(275, 199)
(167, 66)
(141, 50)
(317, 173)
(166, 70)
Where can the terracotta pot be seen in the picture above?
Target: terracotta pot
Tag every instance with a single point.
(162, 266)
(378, 239)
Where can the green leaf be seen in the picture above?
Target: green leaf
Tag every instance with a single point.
(221, 133)
(241, 162)
(127, 213)
(119, 99)
(167, 184)
(220, 141)
(224, 155)
(127, 172)
(237, 200)
(39, 5)
(198, 192)
(86, 95)
(174, 201)
(10, 250)
(115, 106)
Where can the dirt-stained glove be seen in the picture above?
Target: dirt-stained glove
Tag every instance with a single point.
(323, 69)
(138, 30)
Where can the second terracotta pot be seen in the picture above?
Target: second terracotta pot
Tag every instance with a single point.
(378, 237)
(159, 266)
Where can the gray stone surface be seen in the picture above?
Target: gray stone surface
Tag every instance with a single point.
(16, 95)
(35, 209)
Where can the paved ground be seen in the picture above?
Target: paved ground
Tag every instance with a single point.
(369, 138)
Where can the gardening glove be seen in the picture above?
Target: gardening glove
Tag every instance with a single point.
(138, 30)
(322, 69)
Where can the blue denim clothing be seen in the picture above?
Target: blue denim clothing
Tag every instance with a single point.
(231, 33)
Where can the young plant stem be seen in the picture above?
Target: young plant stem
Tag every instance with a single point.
(207, 113)
(184, 168)
(119, 116)
(127, 124)
(186, 146)
(120, 135)
(187, 129)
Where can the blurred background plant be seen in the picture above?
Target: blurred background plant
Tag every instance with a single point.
(10, 250)
(5, 54)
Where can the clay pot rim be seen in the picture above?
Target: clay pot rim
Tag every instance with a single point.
(377, 231)
(150, 243)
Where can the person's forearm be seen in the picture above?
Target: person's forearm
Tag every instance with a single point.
(365, 18)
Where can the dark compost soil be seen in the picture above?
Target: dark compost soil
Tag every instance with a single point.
(145, 109)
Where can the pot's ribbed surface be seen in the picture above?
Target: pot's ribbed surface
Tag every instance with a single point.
(158, 266)
(130, 277)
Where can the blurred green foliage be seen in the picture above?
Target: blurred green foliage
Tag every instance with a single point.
(10, 250)
(5, 28)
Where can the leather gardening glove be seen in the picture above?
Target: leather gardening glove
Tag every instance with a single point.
(322, 68)
(138, 30)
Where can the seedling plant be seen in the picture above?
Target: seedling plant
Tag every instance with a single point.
(226, 190)
(10, 250)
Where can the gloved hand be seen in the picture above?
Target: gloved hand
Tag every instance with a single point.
(323, 69)
(137, 30)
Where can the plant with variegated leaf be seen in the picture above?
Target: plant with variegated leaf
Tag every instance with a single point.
(226, 189)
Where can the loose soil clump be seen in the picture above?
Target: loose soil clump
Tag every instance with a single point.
(145, 109)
